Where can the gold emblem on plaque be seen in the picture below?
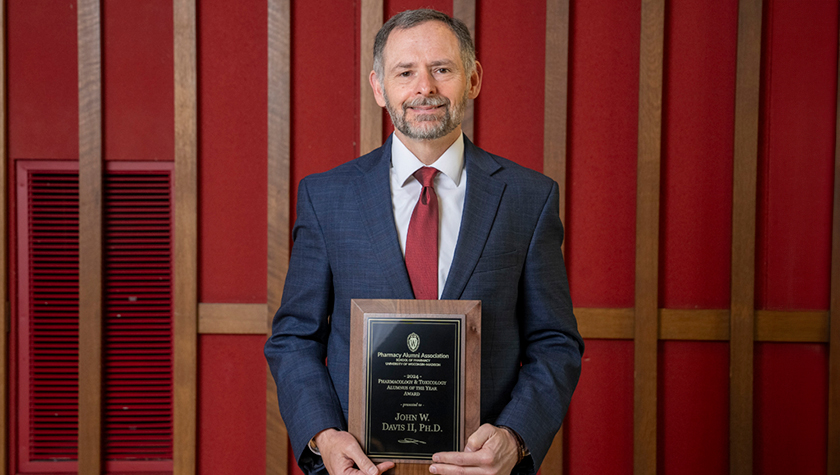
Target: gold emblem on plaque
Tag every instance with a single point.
(413, 342)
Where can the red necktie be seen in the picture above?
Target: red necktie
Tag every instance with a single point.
(421, 244)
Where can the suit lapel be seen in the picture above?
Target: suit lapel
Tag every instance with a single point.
(480, 204)
(374, 192)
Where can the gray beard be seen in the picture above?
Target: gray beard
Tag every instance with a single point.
(451, 119)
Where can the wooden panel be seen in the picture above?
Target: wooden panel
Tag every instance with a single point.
(90, 237)
(4, 265)
(370, 114)
(605, 323)
(279, 204)
(674, 324)
(647, 237)
(231, 318)
(705, 325)
(745, 160)
(464, 10)
(186, 242)
(834, 309)
(678, 324)
(554, 139)
(556, 94)
(791, 326)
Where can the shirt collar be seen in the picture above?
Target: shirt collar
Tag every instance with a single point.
(405, 163)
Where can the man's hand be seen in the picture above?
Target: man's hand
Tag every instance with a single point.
(341, 454)
(490, 450)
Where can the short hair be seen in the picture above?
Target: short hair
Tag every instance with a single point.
(411, 18)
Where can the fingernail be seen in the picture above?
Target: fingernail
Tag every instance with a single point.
(373, 471)
(432, 469)
(435, 458)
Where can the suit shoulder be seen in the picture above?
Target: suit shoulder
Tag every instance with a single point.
(347, 171)
(515, 174)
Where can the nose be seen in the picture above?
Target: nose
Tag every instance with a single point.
(426, 84)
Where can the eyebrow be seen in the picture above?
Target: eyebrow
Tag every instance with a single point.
(439, 62)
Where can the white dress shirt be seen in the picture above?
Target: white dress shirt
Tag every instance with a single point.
(450, 187)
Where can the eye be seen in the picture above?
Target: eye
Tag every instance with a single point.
(443, 70)
(405, 74)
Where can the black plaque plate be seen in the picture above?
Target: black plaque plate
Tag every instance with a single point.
(413, 386)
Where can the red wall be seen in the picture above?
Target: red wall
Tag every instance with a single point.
(232, 216)
(42, 87)
(795, 186)
(601, 222)
(696, 235)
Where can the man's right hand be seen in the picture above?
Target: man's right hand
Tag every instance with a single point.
(341, 454)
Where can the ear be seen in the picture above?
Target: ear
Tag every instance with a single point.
(475, 81)
(378, 94)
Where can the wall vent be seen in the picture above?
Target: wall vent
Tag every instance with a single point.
(137, 317)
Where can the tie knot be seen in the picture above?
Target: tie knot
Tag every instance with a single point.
(426, 175)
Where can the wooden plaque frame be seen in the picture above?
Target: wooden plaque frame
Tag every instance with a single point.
(416, 311)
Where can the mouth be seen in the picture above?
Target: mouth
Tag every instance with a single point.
(425, 109)
(427, 105)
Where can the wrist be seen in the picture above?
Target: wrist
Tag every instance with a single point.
(521, 449)
(320, 440)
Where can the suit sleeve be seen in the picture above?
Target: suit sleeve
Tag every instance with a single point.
(297, 348)
(551, 345)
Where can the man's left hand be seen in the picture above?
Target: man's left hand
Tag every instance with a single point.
(490, 450)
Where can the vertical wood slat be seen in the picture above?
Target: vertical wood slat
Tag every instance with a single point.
(90, 236)
(4, 265)
(554, 139)
(279, 202)
(370, 114)
(647, 236)
(556, 95)
(186, 217)
(464, 10)
(745, 167)
(833, 441)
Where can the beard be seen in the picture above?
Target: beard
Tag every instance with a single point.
(428, 127)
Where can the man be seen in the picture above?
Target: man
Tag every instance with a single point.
(499, 242)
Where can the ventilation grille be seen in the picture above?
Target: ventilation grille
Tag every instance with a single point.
(53, 229)
(138, 316)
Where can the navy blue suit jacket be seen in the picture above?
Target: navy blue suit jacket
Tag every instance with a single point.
(507, 255)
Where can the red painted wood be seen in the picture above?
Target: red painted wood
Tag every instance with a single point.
(603, 118)
(693, 407)
(796, 160)
(698, 124)
(599, 425)
(509, 109)
(233, 82)
(795, 186)
(392, 7)
(325, 88)
(791, 413)
(137, 80)
(43, 93)
(233, 141)
(231, 412)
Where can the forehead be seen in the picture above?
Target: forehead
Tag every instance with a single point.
(428, 41)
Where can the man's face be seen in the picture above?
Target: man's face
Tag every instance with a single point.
(424, 85)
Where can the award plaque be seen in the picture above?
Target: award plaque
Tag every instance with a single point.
(415, 370)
